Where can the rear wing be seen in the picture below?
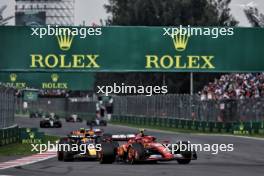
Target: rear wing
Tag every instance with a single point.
(98, 131)
(76, 136)
(123, 137)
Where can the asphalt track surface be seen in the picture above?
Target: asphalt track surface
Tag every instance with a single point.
(246, 159)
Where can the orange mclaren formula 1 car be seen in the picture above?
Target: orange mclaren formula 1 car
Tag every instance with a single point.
(137, 148)
(88, 132)
(81, 138)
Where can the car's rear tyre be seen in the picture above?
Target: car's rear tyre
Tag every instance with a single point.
(152, 162)
(107, 154)
(88, 123)
(68, 156)
(183, 161)
(60, 155)
(186, 154)
(58, 125)
(103, 123)
(136, 152)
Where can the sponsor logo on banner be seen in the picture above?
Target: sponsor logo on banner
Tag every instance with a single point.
(180, 43)
(28, 136)
(13, 82)
(64, 61)
(54, 84)
(240, 129)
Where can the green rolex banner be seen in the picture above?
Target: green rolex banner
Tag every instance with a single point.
(131, 49)
(30, 95)
(53, 80)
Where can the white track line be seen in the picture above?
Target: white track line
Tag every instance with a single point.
(28, 160)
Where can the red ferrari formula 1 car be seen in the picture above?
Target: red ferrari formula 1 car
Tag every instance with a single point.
(141, 148)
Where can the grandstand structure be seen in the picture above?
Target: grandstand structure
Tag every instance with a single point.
(45, 12)
(4, 20)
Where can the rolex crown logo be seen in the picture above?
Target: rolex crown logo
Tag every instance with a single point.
(241, 127)
(180, 41)
(65, 41)
(30, 95)
(13, 77)
(55, 77)
(31, 135)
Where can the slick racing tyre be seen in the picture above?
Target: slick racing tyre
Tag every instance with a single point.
(136, 152)
(68, 156)
(107, 154)
(79, 120)
(187, 155)
(103, 123)
(46, 125)
(58, 125)
(90, 123)
(60, 155)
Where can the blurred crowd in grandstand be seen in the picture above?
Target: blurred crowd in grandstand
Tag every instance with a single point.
(235, 86)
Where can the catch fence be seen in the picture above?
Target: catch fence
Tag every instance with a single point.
(7, 106)
(8, 128)
(61, 106)
(190, 108)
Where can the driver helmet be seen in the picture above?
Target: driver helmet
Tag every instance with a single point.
(141, 132)
(82, 130)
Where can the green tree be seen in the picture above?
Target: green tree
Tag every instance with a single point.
(255, 18)
(169, 13)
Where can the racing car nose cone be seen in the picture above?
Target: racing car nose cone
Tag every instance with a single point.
(155, 157)
(178, 156)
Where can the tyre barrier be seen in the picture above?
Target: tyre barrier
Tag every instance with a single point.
(15, 134)
(240, 128)
(9, 135)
